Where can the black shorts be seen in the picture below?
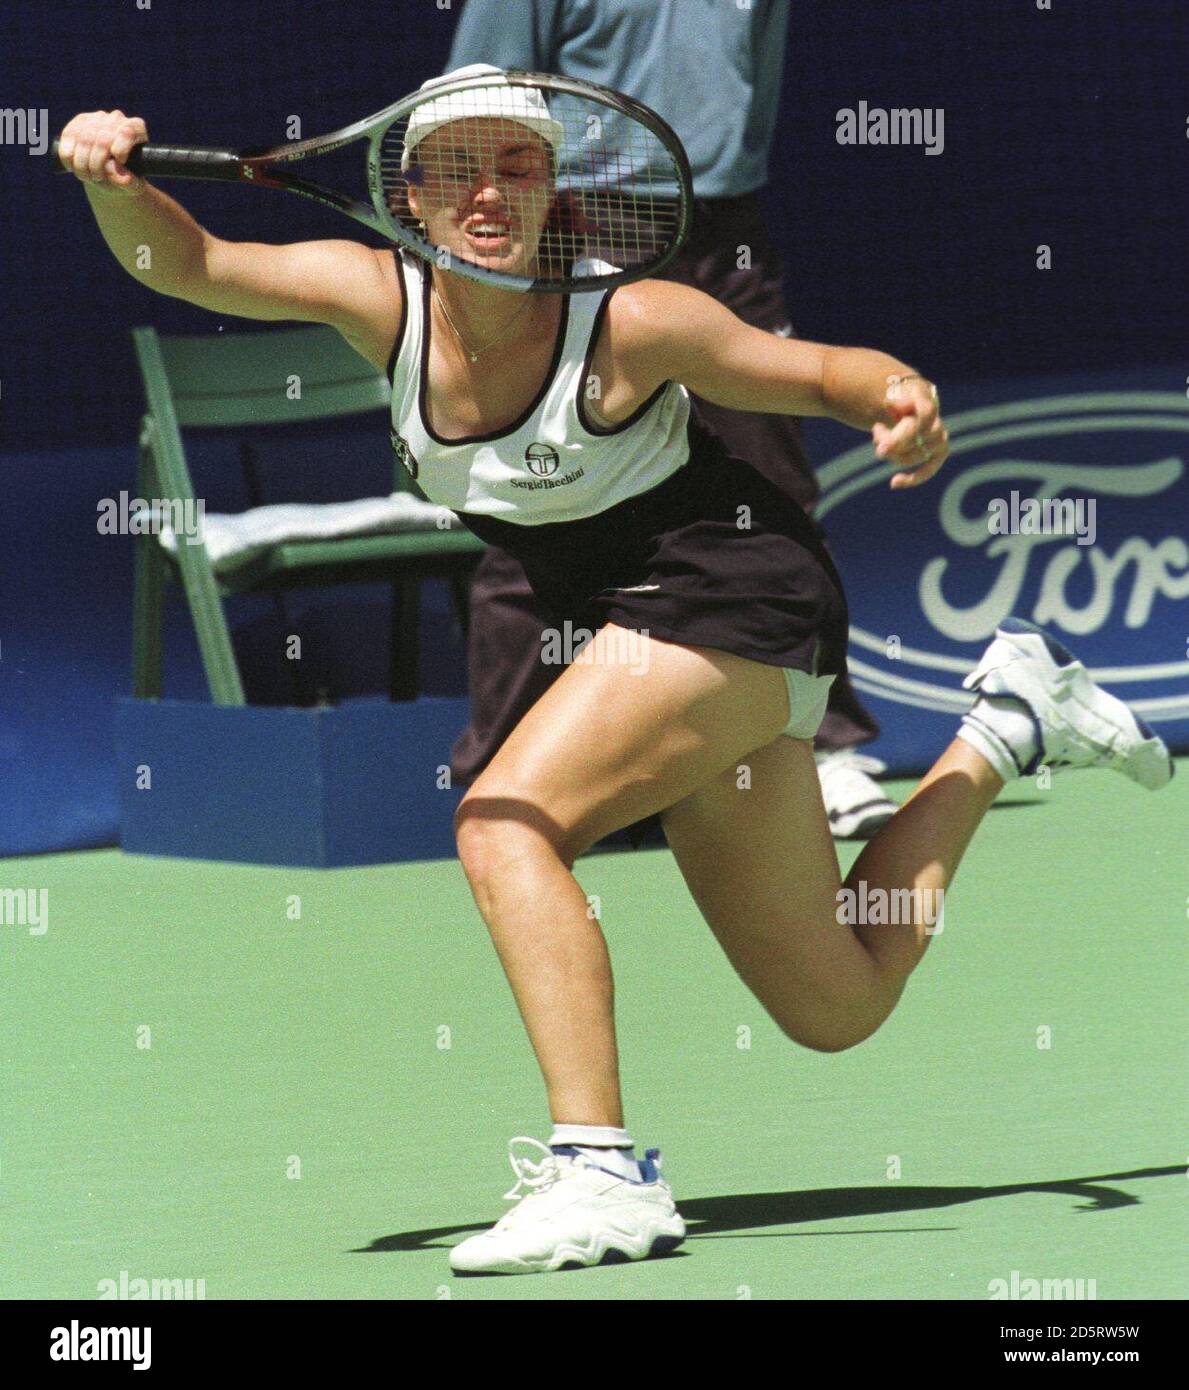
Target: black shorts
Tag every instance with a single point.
(715, 556)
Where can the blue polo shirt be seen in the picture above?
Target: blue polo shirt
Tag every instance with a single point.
(711, 68)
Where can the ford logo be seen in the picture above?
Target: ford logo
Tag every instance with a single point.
(1071, 511)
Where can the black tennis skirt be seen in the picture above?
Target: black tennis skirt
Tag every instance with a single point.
(715, 556)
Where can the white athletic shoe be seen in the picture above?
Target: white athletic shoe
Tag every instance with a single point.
(855, 803)
(1077, 723)
(571, 1214)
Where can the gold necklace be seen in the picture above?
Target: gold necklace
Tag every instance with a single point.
(474, 352)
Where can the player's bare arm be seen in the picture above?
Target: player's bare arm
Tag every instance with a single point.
(669, 332)
(338, 282)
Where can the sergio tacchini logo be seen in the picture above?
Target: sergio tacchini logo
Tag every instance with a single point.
(542, 460)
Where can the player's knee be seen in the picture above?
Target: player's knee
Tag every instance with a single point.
(484, 854)
(832, 1042)
(836, 1033)
(481, 838)
(495, 831)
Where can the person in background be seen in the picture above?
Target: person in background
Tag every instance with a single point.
(726, 120)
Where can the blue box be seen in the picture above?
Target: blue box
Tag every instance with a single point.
(359, 783)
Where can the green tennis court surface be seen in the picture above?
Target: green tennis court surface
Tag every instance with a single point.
(372, 1046)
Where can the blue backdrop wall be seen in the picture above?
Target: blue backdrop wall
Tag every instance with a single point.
(1064, 127)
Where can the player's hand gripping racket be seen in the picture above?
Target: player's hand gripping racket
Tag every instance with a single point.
(523, 180)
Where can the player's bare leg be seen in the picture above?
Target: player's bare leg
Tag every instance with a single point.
(634, 729)
(611, 741)
(599, 751)
(761, 864)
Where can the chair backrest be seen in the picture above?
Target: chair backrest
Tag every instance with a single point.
(228, 380)
(238, 379)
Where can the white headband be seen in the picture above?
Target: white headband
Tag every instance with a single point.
(524, 105)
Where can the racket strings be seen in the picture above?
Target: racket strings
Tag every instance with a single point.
(502, 180)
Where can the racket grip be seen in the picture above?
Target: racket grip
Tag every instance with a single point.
(167, 161)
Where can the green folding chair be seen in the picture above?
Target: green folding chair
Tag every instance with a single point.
(233, 382)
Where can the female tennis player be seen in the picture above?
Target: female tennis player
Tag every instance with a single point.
(559, 427)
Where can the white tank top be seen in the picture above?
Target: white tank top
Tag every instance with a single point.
(554, 463)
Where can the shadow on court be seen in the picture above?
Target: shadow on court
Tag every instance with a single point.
(719, 1216)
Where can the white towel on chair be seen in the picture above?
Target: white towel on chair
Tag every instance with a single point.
(234, 538)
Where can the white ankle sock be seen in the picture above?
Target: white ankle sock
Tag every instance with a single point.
(1001, 729)
(604, 1145)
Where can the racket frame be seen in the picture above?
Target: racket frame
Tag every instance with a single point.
(259, 166)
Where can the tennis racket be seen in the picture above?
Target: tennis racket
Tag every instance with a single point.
(591, 188)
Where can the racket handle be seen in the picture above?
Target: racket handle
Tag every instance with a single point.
(166, 161)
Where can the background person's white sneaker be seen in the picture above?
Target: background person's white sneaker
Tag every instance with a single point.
(570, 1213)
(855, 803)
